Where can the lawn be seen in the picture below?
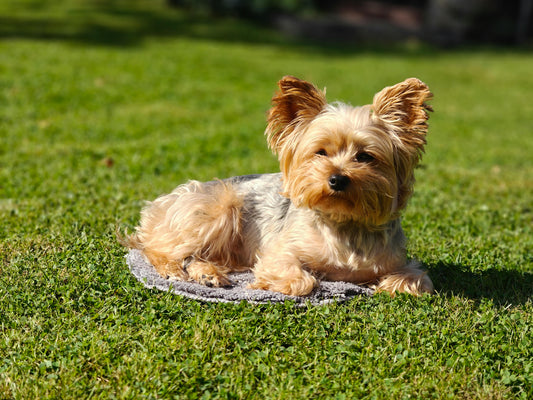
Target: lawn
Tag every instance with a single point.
(102, 108)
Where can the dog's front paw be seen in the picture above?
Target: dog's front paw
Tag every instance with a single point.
(293, 282)
(410, 280)
(207, 274)
(213, 280)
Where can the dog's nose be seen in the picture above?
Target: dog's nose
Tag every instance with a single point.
(338, 182)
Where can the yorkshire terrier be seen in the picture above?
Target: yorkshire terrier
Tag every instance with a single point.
(333, 213)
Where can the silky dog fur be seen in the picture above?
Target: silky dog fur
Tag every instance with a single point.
(333, 212)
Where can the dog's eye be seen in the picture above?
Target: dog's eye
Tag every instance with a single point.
(364, 157)
(321, 152)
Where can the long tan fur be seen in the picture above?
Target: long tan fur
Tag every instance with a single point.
(332, 213)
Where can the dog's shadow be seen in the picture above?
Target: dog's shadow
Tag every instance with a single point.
(503, 287)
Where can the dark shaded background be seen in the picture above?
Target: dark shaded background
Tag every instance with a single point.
(443, 22)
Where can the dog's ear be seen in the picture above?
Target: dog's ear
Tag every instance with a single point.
(295, 104)
(403, 108)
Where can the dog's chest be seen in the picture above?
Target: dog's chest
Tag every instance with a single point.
(342, 251)
(355, 255)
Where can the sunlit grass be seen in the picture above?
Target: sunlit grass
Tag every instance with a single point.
(93, 125)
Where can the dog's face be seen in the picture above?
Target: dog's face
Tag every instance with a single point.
(349, 163)
(343, 166)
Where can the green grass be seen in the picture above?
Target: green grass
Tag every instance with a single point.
(103, 108)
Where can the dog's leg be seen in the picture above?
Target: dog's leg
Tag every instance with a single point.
(282, 272)
(202, 221)
(165, 266)
(410, 279)
(207, 273)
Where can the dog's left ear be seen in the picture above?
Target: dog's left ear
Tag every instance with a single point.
(403, 108)
(295, 104)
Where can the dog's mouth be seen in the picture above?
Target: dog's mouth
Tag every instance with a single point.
(336, 204)
(352, 203)
(352, 206)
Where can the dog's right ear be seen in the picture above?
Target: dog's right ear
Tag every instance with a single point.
(295, 104)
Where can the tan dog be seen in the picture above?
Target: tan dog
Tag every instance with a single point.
(332, 213)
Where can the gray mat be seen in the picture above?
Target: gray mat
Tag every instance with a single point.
(326, 292)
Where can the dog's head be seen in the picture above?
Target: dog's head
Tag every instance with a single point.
(349, 163)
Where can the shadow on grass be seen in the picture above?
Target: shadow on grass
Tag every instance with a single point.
(111, 26)
(502, 286)
(129, 23)
(120, 24)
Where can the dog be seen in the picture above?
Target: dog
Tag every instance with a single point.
(332, 213)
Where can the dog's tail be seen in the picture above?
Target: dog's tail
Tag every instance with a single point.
(130, 241)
